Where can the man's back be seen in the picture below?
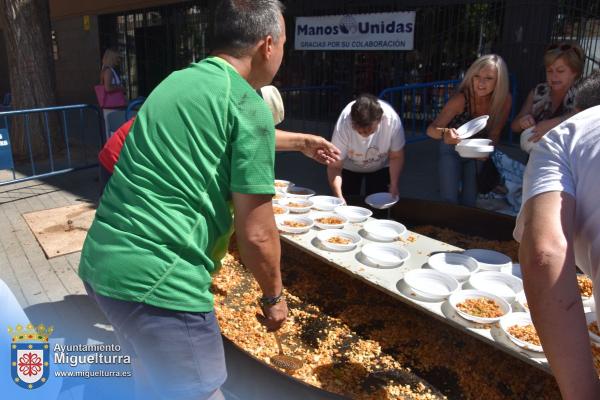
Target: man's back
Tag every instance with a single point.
(166, 209)
(568, 160)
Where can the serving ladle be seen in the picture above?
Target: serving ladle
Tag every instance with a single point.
(284, 361)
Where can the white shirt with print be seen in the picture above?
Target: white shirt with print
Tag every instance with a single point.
(369, 154)
(567, 160)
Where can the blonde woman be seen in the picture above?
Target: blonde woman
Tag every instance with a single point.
(483, 91)
(111, 81)
(552, 102)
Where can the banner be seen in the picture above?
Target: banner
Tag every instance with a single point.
(380, 31)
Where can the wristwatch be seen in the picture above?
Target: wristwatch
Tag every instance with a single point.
(270, 300)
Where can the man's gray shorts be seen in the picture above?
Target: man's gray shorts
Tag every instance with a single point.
(182, 352)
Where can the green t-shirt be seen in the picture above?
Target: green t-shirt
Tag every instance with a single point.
(164, 221)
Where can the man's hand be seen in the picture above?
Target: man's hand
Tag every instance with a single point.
(320, 150)
(273, 316)
(394, 191)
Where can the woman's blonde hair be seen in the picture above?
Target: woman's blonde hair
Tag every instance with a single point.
(110, 58)
(570, 52)
(500, 92)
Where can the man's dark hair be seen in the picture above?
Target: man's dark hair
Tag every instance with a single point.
(240, 24)
(587, 93)
(366, 110)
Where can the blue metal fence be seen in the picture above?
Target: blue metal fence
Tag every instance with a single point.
(71, 135)
(418, 104)
(133, 107)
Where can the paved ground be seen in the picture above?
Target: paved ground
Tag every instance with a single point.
(48, 289)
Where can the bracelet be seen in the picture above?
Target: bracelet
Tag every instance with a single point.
(270, 300)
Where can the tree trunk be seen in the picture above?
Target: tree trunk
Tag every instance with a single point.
(31, 65)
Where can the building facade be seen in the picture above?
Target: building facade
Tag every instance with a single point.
(156, 37)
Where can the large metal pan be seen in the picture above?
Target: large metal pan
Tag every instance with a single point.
(251, 378)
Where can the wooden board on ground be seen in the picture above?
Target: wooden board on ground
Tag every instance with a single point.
(61, 231)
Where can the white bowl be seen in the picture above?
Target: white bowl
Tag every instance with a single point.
(490, 260)
(327, 234)
(497, 283)
(280, 219)
(296, 205)
(515, 270)
(300, 192)
(326, 203)
(278, 207)
(353, 213)
(589, 318)
(385, 255)
(474, 152)
(381, 200)
(282, 185)
(520, 319)
(385, 230)
(456, 298)
(430, 284)
(474, 143)
(472, 127)
(458, 266)
(522, 301)
(277, 197)
(324, 225)
(526, 145)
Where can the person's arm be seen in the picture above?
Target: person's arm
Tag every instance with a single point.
(334, 176)
(437, 129)
(312, 146)
(107, 81)
(260, 250)
(396, 165)
(548, 266)
(524, 119)
(496, 131)
(543, 127)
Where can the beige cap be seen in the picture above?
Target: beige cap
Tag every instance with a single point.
(272, 97)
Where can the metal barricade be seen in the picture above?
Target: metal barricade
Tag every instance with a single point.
(418, 104)
(42, 142)
(133, 107)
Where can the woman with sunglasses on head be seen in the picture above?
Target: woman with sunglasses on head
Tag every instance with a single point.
(552, 102)
(483, 91)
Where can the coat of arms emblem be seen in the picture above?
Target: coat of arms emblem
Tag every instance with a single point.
(30, 355)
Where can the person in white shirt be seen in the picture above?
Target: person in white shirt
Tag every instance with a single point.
(559, 227)
(370, 137)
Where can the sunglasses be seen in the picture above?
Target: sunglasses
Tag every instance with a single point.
(564, 47)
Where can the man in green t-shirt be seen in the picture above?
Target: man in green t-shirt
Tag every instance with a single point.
(202, 144)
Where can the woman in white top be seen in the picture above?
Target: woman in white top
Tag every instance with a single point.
(111, 80)
(370, 137)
